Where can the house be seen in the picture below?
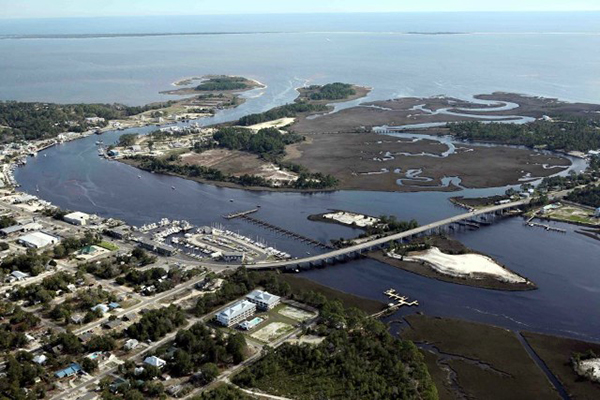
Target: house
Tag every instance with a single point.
(113, 153)
(129, 316)
(236, 313)
(103, 308)
(136, 148)
(119, 384)
(263, 300)
(18, 275)
(77, 218)
(113, 305)
(85, 337)
(94, 120)
(597, 213)
(37, 240)
(28, 227)
(40, 359)
(155, 361)
(77, 318)
(112, 324)
(71, 370)
(131, 344)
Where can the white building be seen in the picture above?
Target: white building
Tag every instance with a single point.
(264, 300)
(131, 344)
(38, 240)
(155, 361)
(236, 313)
(18, 275)
(77, 218)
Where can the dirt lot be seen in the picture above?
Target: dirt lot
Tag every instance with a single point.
(237, 163)
(366, 161)
(487, 362)
(272, 331)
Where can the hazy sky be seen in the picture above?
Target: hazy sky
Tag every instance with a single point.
(93, 8)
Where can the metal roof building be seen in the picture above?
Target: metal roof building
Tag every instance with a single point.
(236, 313)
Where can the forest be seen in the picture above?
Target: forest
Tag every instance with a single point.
(589, 196)
(268, 143)
(33, 121)
(223, 83)
(285, 111)
(358, 359)
(330, 91)
(575, 134)
(157, 323)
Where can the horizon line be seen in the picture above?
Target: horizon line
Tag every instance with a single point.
(307, 13)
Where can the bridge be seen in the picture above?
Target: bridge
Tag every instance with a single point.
(468, 219)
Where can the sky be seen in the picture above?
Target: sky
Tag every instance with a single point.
(102, 8)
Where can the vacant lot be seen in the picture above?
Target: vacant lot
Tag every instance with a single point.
(296, 313)
(272, 331)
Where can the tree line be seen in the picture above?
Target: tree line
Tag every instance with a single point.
(574, 134)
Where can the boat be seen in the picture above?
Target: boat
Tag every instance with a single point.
(139, 177)
(99, 142)
(231, 200)
(173, 187)
(37, 188)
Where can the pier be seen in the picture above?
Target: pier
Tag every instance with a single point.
(240, 214)
(399, 301)
(284, 231)
(546, 227)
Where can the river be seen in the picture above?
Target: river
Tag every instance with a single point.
(72, 176)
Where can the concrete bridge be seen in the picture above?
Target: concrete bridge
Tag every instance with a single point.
(469, 219)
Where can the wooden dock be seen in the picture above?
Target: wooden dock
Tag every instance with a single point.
(285, 232)
(546, 227)
(240, 214)
(398, 301)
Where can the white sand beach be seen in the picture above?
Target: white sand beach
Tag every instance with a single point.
(463, 265)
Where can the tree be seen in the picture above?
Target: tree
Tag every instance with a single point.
(182, 363)
(89, 365)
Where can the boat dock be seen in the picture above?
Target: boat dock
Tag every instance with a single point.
(398, 301)
(284, 231)
(546, 227)
(240, 214)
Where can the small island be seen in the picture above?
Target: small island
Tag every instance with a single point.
(225, 84)
(449, 260)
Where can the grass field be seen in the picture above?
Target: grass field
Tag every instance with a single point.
(108, 246)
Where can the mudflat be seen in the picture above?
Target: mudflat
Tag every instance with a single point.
(368, 161)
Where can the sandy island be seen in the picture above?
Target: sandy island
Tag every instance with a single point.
(471, 266)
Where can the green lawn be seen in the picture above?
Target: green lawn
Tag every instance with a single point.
(108, 246)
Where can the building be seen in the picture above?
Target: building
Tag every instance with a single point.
(103, 308)
(155, 361)
(233, 256)
(263, 300)
(77, 218)
(247, 325)
(597, 212)
(40, 359)
(18, 275)
(37, 240)
(119, 232)
(32, 226)
(159, 248)
(236, 313)
(71, 370)
(115, 323)
(131, 344)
